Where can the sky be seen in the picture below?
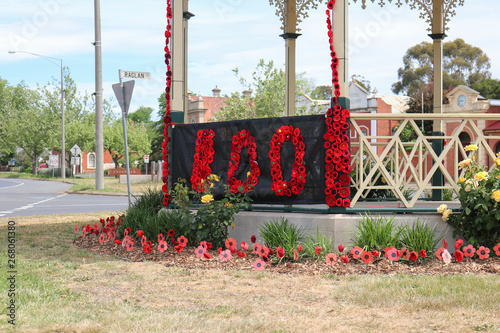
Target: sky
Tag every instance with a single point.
(223, 35)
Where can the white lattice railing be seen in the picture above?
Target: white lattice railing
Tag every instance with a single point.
(408, 167)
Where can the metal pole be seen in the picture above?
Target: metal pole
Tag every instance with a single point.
(125, 141)
(99, 136)
(63, 136)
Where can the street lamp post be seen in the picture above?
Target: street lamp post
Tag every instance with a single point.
(63, 136)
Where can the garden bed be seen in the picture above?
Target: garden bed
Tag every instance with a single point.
(187, 259)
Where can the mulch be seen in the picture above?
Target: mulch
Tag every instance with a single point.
(187, 259)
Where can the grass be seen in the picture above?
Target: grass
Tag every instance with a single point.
(111, 184)
(61, 288)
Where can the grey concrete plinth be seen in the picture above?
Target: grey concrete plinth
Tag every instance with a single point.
(341, 226)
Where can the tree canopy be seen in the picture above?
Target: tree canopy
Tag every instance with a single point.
(462, 64)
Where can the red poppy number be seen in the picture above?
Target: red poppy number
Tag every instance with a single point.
(203, 157)
(240, 140)
(280, 186)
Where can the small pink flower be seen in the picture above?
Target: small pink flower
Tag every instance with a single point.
(446, 257)
(259, 264)
(200, 251)
(225, 255)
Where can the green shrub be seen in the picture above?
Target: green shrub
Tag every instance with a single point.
(419, 236)
(376, 233)
(280, 232)
(53, 172)
(318, 240)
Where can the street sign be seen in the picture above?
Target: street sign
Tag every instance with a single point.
(135, 75)
(128, 88)
(53, 161)
(75, 150)
(146, 158)
(75, 161)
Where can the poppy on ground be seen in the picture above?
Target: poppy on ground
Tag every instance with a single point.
(182, 241)
(439, 253)
(140, 233)
(143, 240)
(496, 248)
(171, 233)
(422, 253)
(174, 242)
(393, 255)
(413, 255)
(318, 250)
(204, 245)
(230, 242)
(241, 254)
(375, 253)
(446, 256)
(341, 248)
(258, 264)
(244, 245)
(200, 251)
(225, 255)
(162, 246)
(130, 245)
(76, 229)
(219, 250)
(102, 237)
(233, 249)
(265, 258)
(405, 254)
(483, 252)
(344, 259)
(253, 238)
(469, 251)
(178, 248)
(458, 244)
(367, 257)
(160, 238)
(280, 252)
(295, 255)
(459, 255)
(445, 244)
(356, 252)
(118, 242)
(148, 248)
(207, 255)
(300, 248)
(108, 237)
(331, 259)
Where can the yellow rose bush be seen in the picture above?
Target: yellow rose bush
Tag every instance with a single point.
(479, 218)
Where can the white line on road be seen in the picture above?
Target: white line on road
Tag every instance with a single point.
(31, 205)
(14, 181)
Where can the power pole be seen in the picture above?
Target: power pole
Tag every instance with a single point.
(99, 136)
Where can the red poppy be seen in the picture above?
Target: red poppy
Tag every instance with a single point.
(207, 255)
(76, 229)
(356, 252)
(422, 253)
(160, 238)
(108, 236)
(483, 252)
(162, 246)
(341, 248)
(244, 245)
(200, 251)
(225, 255)
(171, 233)
(496, 248)
(300, 248)
(331, 259)
(375, 253)
(230, 242)
(393, 254)
(179, 248)
(219, 250)
(262, 251)
(318, 250)
(130, 245)
(458, 244)
(127, 231)
(241, 254)
(258, 264)
(174, 242)
(469, 251)
(204, 244)
(102, 237)
(295, 255)
(459, 255)
(405, 254)
(367, 257)
(344, 259)
(143, 240)
(233, 249)
(253, 238)
(280, 252)
(209, 245)
(140, 233)
(148, 248)
(118, 242)
(182, 241)
(439, 253)
(413, 255)
(445, 244)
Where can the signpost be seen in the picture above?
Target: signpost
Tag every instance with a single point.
(53, 161)
(123, 92)
(75, 160)
(146, 160)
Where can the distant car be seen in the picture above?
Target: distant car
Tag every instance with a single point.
(42, 166)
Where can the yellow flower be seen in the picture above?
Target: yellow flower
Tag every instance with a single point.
(481, 176)
(442, 208)
(461, 179)
(249, 174)
(497, 160)
(496, 196)
(211, 185)
(464, 163)
(471, 148)
(227, 204)
(207, 198)
(213, 178)
(383, 180)
(446, 214)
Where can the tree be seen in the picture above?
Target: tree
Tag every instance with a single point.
(462, 64)
(141, 115)
(322, 93)
(489, 88)
(138, 141)
(268, 87)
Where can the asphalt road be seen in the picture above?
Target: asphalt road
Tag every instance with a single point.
(26, 197)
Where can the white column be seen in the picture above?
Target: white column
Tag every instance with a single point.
(340, 42)
(177, 51)
(290, 35)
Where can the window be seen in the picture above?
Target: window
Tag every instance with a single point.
(91, 161)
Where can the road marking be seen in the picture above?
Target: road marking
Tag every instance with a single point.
(31, 205)
(14, 181)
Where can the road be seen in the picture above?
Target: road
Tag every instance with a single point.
(26, 197)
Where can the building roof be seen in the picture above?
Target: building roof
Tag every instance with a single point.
(399, 103)
(493, 127)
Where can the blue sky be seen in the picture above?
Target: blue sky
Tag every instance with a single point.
(223, 35)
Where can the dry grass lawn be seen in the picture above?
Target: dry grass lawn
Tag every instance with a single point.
(63, 288)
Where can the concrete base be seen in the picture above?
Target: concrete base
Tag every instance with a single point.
(135, 179)
(341, 226)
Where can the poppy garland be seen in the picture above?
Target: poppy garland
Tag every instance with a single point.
(240, 140)
(167, 119)
(280, 186)
(203, 157)
(338, 154)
